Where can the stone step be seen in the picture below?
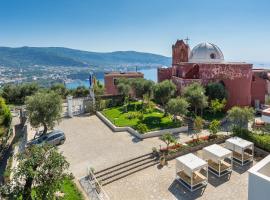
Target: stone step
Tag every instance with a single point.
(123, 163)
(128, 172)
(123, 166)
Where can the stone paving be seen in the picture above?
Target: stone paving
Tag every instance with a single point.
(160, 184)
(89, 142)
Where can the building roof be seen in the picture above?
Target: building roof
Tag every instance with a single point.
(124, 74)
(206, 52)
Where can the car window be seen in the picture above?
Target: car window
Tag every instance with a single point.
(52, 138)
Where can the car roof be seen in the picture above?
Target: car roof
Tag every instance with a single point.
(54, 132)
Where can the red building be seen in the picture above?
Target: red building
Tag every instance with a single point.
(205, 63)
(110, 80)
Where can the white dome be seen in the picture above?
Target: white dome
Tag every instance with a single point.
(206, 52)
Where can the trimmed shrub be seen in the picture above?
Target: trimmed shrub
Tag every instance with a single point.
(141, 128)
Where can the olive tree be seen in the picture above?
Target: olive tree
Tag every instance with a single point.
(124, 89)
(195, 95)
(177, 106)
(44, 109)
(168, 139)
(41, 168)
(216, 91)
(239, 117)
(198, 125)
(164, 91)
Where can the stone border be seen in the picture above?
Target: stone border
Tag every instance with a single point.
(136, 133)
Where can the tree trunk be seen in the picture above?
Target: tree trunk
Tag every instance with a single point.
(45, 128)
(195, 110)
(27, 189)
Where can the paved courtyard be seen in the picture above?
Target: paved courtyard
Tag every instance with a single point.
(159, 184)
(89, 142)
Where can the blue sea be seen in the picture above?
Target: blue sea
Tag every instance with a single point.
(150, 74)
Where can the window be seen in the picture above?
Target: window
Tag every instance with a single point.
(212, 56)
(115, 81)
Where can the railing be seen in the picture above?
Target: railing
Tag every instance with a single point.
(101, 194)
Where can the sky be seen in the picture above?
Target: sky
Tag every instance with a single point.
(241, 28)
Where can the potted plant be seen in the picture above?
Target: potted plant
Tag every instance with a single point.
(162, 160)
(155, 152)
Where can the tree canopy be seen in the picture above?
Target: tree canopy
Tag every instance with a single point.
(195, 95)
(142, 87)
(16, 94)
(164, 91)
(239, 117)
(5, 118)
(44, 109)
(214, 126)
(41, 168)
(216, 91)
(60, 89)
(217, 105)
(177, 106)
(168, 139)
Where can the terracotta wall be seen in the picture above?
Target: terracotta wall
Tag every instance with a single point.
(258, 89)
(109, 80)
(164, 74)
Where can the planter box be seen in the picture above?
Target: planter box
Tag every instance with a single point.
(197, 147)
(136, 133)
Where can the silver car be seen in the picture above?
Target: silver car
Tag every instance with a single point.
(54, 138)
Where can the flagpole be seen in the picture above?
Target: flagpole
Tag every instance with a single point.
(91, 88)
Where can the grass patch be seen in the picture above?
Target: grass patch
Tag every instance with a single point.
(71, 191)
(154, 120)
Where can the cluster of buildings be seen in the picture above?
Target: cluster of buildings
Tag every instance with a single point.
(204, 64)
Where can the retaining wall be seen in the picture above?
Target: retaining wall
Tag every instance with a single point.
(136, 133)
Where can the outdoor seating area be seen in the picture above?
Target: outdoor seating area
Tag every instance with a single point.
(219, 159)
(243, 150)
(189, 171)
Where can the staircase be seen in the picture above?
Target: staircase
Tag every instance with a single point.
(125, 169)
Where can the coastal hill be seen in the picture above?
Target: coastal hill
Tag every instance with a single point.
(59, 56)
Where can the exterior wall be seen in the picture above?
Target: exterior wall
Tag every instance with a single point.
(235, 76)
(164, 74)
(180, 51)
(109, 80)
(259, 87)
(259, 180)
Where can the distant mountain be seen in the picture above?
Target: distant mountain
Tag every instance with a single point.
(58, 56)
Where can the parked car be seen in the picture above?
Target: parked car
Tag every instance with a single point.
(55, 137)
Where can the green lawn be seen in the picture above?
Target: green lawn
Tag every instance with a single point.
(71, 191)
(154, 120)
(69, 188)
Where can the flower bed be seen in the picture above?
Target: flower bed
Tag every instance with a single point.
(194, 145)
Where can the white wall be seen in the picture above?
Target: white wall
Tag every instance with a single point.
(259, 181)
(266, 118)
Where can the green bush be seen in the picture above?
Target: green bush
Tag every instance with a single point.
(132, 115)
(141, 128)
(260, 140)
